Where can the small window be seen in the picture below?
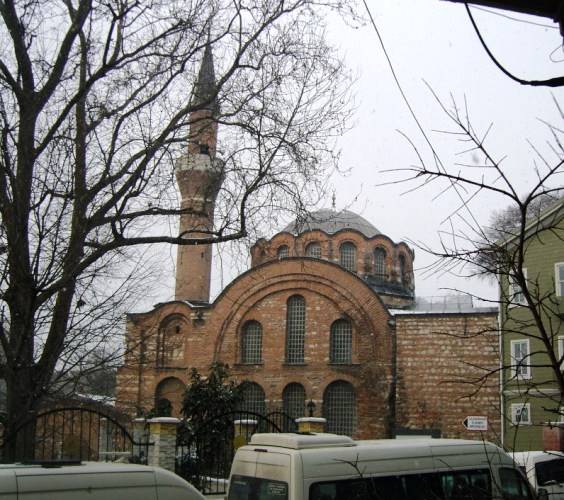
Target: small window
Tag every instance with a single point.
(520, 362)
(521, 413)
(559, 279)
(251, 343)
(380, 263)
(516, 296)
(313, 250)
(348, 256)
(341, 342)
(283, 252)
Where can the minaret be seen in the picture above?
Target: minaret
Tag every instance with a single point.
(199, 175)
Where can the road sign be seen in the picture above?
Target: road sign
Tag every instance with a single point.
(476, 423)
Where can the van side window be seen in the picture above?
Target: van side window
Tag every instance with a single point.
(513, 486)
(455, 485)
(254, 488)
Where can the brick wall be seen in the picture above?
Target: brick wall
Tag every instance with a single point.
(442, 361)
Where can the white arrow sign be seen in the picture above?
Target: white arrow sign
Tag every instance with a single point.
(476, 423)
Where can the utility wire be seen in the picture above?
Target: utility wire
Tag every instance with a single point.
(551, 82)
(412, 112)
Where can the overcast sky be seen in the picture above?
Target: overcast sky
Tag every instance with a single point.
(433, 41)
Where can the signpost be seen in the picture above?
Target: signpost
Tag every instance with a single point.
(476, 423)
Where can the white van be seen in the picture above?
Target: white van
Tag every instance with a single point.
(93, 481)
(545, 472)
(331, 467)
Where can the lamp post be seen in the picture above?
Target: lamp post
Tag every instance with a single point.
(310, 408)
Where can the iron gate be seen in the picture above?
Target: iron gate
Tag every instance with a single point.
(76, 433)
(204, 455)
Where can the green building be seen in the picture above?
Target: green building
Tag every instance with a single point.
(532, 331)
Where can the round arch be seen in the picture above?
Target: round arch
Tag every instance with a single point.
(172, 390)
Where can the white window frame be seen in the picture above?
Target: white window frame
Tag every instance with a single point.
(516, 411)
(515, 290)
(519, 370)
(560, 350)
(558, 283)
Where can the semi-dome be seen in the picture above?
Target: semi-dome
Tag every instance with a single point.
(332, 222)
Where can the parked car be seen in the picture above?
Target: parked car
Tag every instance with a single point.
(545, 472)
(330, 467)
(92, 481)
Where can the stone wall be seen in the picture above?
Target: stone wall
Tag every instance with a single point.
(443, 360)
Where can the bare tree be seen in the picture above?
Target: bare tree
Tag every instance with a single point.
(95, 106)
(530, 301)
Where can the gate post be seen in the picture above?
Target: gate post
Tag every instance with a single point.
(140, 440)
(244, 429)
(311, 424)
(162, 435)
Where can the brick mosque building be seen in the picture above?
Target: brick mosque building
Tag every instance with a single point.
(326, 314)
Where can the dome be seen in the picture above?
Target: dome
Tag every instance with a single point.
(332, 222)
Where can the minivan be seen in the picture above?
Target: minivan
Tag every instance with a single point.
(92, 481)
(290, 466)
(545, 472)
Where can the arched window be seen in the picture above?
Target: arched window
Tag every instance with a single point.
(402, 269)
(380, 263)
(348, 256)
(313, 250)
(253, 398)
(293, 398)
(295, 329)
(169, 392)
(283, 251)
(170, 342)
(251, 343)
(339, 408)
(341, 342)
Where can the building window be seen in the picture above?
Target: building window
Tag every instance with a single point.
(341, 342)
(283, 252)
(295, 329)
(516, 296)
(252, 398)
(348, 256)
(520, 354)
(251, 343)
(520, 413)
(559, 279)
(339, 408)
(293, 399)
(560, 351)
(313, 250)
(170, 342)
(402, 268)
(380, 263)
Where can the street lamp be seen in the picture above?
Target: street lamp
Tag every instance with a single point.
(310, 407)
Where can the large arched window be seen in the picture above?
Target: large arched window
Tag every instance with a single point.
(283, 252)
(348, 256)
(313, 250)
(293, 398)
(252, 398)
(339, 408)
(295, 329)
(170, 342)
(251, 343)
(380, 263)
(341, 342)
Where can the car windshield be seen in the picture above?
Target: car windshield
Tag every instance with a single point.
(550, 470)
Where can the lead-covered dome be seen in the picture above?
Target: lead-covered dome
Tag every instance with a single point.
(331, 222)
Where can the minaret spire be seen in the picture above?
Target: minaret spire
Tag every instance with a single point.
(199, 175)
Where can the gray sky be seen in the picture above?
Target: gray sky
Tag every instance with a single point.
(433, 41)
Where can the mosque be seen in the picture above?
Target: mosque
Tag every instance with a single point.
(326, 319)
